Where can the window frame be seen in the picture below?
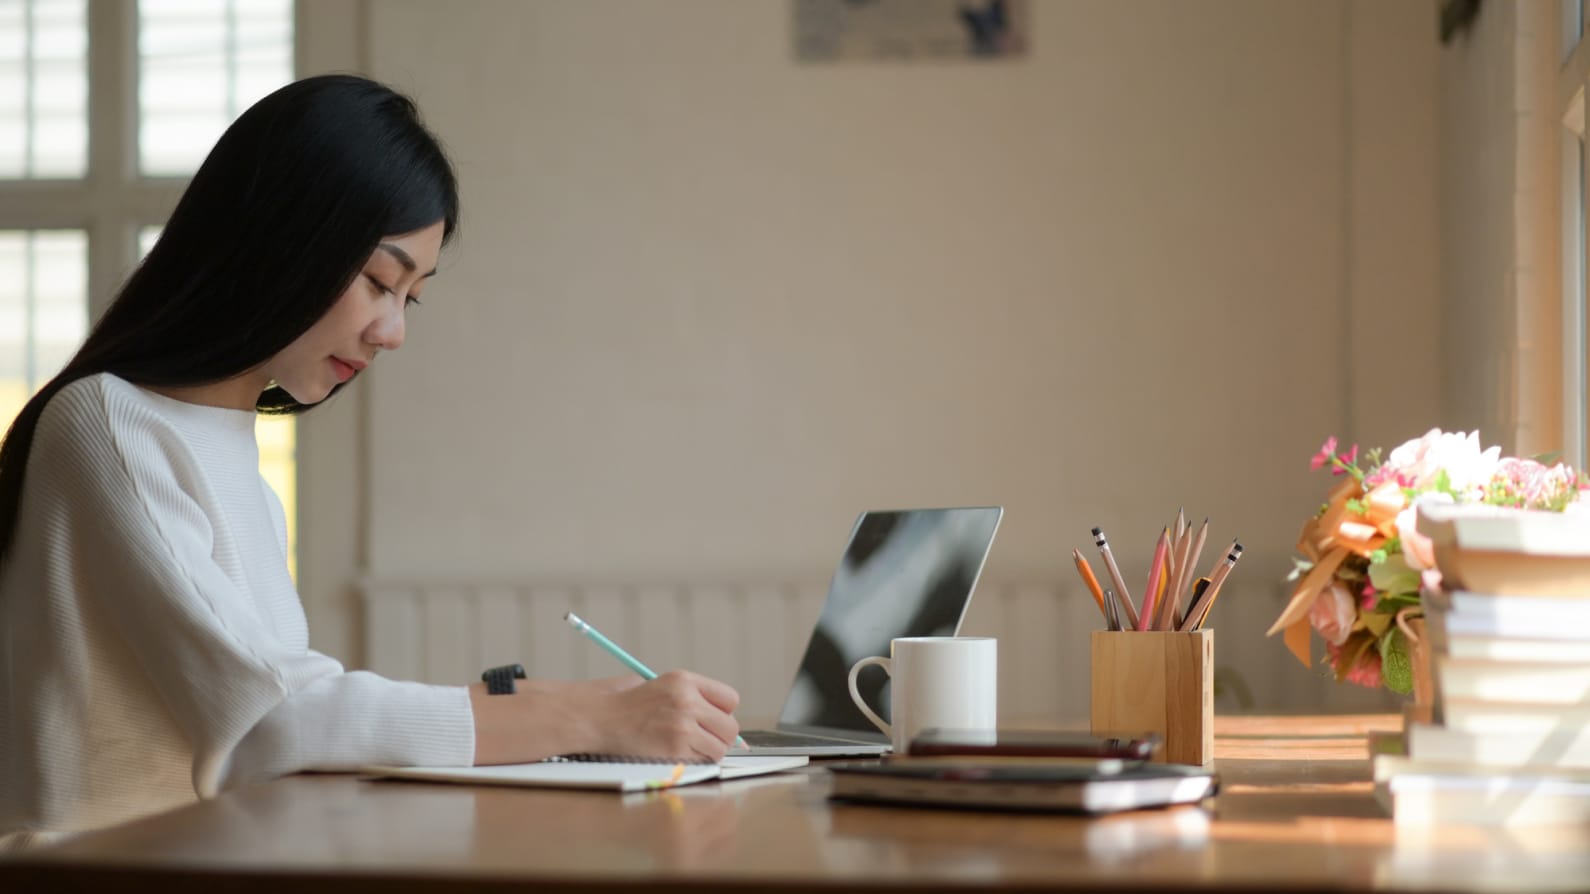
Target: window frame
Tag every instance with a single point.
(1573, 79)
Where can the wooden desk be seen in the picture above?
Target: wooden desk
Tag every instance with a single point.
(1296, 812)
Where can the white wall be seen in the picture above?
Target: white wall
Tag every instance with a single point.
(1499, 226)
(709, 303)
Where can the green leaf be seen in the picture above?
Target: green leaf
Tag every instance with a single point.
(1391, 602)
(1394, 575)
(1396, 668)
(1376, 623)
(1443, 482)
(1355, 506)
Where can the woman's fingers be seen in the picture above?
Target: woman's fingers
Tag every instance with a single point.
(679, 714)
(718, 694)
(719, 725)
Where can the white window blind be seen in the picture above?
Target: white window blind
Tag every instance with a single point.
(201, 63)
(43, 89)
(43, 308)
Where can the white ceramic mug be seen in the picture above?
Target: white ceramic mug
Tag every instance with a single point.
(949, 682)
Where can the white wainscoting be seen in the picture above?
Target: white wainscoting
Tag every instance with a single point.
(751, 636)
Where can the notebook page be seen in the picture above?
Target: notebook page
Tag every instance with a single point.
(624, 777)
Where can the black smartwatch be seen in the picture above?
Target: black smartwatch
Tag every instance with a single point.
(499, 680)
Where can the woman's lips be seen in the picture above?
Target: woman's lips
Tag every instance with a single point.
(343, 369)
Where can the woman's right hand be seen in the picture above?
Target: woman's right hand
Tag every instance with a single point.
(678, 715)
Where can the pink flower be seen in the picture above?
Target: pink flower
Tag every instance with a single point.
(1417, 548)
(1326, 452)
(1365, 673)
(1387, 472)
(1430, 580)
(1333, 614)
(1528, 484)
(1351, 459)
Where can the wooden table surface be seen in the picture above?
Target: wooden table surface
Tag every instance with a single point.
(1295, 812)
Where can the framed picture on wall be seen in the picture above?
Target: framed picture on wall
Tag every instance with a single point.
(909, 30)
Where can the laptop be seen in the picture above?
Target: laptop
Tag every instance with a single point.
(904, 573)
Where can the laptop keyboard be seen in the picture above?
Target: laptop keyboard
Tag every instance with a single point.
(772, 738)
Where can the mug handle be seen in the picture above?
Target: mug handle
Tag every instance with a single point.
(855, 695)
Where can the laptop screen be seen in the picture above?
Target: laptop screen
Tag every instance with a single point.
(904, 573)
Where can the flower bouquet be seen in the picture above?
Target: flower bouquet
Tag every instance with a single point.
(1364, 563)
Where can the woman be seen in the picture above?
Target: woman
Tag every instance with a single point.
(152, 646)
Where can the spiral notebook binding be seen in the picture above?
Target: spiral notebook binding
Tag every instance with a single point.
(594, 758)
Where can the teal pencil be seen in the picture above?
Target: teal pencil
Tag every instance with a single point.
(617, 651)
(612, 648)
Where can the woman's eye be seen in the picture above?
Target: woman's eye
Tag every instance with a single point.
(413, 299)
(378, 284)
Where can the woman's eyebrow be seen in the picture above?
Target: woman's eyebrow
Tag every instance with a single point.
(402, 257)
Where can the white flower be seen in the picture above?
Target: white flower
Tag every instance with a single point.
(1468, 468)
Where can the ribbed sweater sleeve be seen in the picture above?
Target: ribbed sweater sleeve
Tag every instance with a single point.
(252, 702)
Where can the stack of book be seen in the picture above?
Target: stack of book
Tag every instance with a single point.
(1508, 742)
(1023, 771)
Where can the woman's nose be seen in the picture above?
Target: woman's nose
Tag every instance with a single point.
(387, 331)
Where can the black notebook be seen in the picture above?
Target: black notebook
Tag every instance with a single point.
(1004, 785)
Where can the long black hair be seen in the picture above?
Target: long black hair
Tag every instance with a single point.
(274, 226)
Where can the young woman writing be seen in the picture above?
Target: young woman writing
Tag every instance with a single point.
(153, 649)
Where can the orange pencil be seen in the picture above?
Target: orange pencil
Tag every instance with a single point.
(1193, 555)
(1189, 621)
(1086, 570)
(1218, 581)
(1156, 574)
(1198, 612)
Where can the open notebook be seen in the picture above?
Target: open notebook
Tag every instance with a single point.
(596, 771)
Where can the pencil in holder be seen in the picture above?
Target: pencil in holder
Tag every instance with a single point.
(1156, 681)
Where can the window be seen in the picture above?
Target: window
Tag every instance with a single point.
(1573, 180)
(200, 64)
(91, 161)
(43, 88)
(43, 308)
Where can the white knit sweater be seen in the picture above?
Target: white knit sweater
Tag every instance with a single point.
(153, 649)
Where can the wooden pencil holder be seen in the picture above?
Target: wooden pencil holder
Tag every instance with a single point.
(1156, 681)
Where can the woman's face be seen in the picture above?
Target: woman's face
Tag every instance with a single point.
(367, 318)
